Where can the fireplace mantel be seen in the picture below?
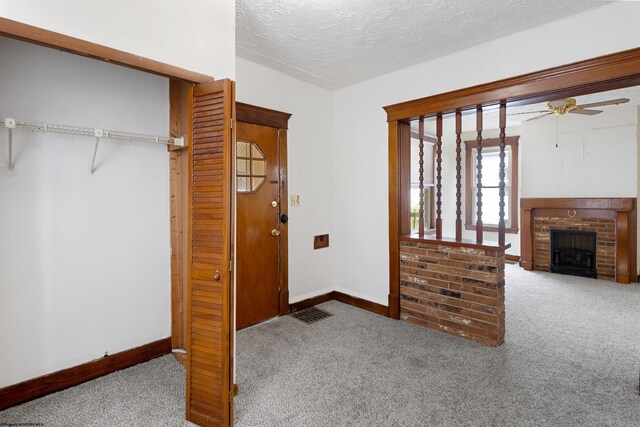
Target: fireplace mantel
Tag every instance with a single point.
(622, 210)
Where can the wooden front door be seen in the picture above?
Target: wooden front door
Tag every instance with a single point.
(209, 335)
(257, 223)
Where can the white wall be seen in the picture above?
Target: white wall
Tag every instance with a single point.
(311, 272)
(360, 170)
(581, 156)
(84, 259)
(198, 35)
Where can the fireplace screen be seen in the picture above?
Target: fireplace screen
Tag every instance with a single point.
(573, 252)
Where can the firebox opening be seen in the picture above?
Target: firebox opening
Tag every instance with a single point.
(573, 252)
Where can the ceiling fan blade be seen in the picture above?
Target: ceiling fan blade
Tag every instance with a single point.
(585, 112)
(603, 103)
(528, 112)
(538, 117)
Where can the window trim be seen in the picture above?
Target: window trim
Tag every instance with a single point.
(513, 226)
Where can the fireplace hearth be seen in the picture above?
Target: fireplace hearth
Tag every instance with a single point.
(573, 252)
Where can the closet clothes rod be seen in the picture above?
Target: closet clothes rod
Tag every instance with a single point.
(12, 124)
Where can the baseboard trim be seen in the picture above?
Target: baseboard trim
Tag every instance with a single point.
(362, 303)
(343, 298)
(310, 302)
(37, 387)
(514, 258)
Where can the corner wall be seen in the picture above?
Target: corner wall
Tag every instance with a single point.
(311, 272)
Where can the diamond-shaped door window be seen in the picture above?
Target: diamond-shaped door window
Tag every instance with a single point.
(251, 170)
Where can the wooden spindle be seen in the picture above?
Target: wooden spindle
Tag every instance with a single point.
(479, 231)
(503, 125)
(458, 176)
(421, 177)
(439, 176)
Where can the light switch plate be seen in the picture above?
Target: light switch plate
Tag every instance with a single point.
(295, 200)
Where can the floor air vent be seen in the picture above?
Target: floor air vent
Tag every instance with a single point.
(311, 315)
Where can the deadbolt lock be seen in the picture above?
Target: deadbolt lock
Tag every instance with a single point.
(275, 232)
(274, 204)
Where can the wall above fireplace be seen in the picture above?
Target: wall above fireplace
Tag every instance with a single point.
(612, 219)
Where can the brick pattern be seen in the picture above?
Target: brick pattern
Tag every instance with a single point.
(604, 228)
(458, 290)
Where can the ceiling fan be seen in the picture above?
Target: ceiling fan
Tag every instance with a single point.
(569, 105)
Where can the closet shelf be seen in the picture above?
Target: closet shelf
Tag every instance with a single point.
(12, 124)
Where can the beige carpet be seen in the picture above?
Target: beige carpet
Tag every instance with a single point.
(571, 357)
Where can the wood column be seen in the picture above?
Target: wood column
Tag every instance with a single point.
(503, 125)
(177, 199)
(439, 176)
(458, 176)
(479, 230)
(395, 171)
(622, 248)
(421, 177)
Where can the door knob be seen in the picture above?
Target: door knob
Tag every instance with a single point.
(216, 276)
(274, 204)
(275, 232)
(284, 219)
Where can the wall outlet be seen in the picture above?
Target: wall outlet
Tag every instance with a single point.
(295, 200)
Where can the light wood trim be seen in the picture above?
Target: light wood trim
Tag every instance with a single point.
(606, 72)
(60, 380)
(29, 33)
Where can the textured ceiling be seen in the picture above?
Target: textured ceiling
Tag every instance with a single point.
(335, 43)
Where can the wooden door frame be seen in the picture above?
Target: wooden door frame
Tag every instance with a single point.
(608, 72)
(252, 114)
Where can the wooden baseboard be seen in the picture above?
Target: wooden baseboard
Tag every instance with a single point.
(362, 303)
(50, 383)
(514, 258)
(343, 298)
(310, 302)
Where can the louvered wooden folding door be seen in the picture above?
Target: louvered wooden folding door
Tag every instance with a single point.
(210, 288)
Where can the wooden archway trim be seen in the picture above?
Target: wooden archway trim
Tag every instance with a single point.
(29, 33)
(599, 74)
(608, 72)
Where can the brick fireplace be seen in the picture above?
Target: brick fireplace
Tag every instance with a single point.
(613, 221)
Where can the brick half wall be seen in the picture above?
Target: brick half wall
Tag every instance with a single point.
(454, 289)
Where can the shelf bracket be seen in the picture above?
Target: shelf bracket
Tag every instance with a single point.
(10, 124)
(98, 134)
